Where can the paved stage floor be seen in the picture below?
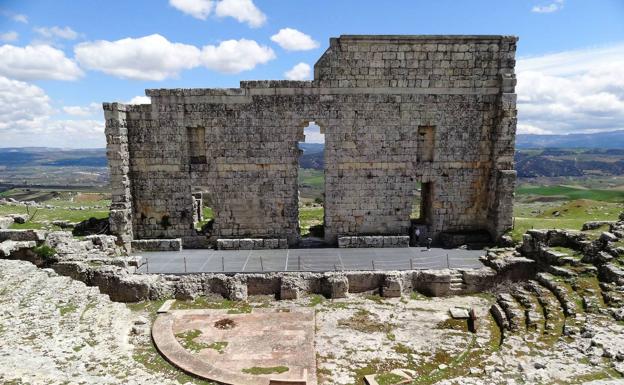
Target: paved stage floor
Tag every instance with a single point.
(327, 259)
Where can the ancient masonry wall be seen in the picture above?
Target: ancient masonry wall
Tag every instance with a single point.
(374, 97)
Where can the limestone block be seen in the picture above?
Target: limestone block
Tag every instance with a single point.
(5, 222)
(392, 286)
(157, 244)
(335, 286)
(290, 288)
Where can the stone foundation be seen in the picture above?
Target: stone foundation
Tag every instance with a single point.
(251, 244)
(157, 245)
(374, 241)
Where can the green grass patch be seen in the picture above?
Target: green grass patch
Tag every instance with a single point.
(233, 307)
(364, 322)
(45, 252)
(257, 370)
(308, 217)
(316, 299)
(218, 346)
(573, 193)
(556, 215)
(187, 340)
(388, 379)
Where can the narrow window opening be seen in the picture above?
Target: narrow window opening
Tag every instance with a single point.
(311, 180)
(197, 145)
(426, 144)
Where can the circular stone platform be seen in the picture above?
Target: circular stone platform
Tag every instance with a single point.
(265, 346)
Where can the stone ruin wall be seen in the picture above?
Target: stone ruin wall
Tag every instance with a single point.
(371, 95)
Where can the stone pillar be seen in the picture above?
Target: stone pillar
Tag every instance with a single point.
(116, 131)
(503, 175)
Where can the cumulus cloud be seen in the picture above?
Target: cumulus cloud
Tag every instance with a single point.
(140, 100)
(233, 56)
(90, 110)
(293, 40)
(14, 16)
(573, 91)
(554, 6)
(301, 71)
(245, 11)
(27, 119)
(151, 57)
(57, 32)
(20, 18)
(36, 62)
(9, 36)
(199, 9)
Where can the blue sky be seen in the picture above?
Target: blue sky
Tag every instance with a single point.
(59, 60)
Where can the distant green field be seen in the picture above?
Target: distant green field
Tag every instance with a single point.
(94, 204)
(561, 215)
(312, 178)
(573, 193)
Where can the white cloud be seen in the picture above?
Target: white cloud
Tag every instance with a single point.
(35, 62)
(301, 71)
(57, 32)
(554, 6)
(573, 91)
(199, 9)
(140, 100)
(245, 11)
(233, 56)
(20, 18)
(27, 119)
(293, 40)
(9, 36)
(313, 134)
(151, 57)
(90, 110)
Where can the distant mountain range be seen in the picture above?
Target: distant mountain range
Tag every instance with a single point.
(536, 155)
(611, 140)
(44, 156)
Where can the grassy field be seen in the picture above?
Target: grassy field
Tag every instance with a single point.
(561, 215)
(538, 204)
(93, 204)
(572, 192)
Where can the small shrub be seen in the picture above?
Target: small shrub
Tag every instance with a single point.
(45, 252)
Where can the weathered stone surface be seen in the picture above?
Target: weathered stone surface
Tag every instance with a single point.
(592, 225)
(395, 110)
(250, 244)
(22, 235)
(335, 286)
(393, 286)
(91, 226)
(374, 241)
(5, 222)
(157, 245)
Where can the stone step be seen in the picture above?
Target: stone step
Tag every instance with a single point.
(533, 316)
(513, 311)
(570, 309)
(550, 304)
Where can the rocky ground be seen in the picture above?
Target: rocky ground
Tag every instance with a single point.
(563, 326)
(54, 330)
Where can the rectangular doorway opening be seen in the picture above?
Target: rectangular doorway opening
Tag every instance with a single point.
(203, 215)
(422, 209)
(311, 183)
